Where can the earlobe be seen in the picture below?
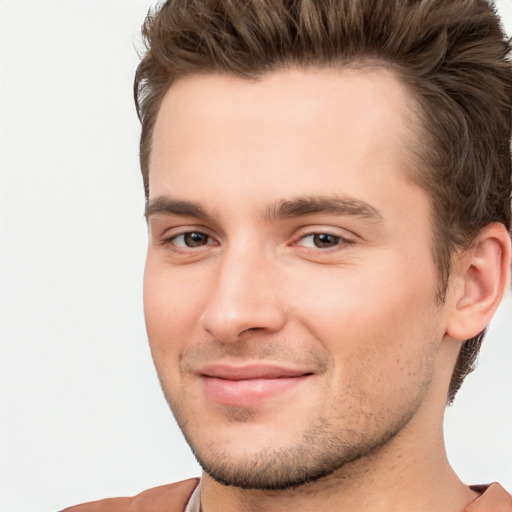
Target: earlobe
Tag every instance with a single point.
(483, 273)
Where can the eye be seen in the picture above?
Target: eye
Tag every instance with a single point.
(191, 239)
(321, 241)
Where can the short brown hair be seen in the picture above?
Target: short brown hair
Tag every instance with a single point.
(452, 54)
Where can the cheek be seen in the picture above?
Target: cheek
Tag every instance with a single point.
(382, 345)
(172, 306)
(375, 315)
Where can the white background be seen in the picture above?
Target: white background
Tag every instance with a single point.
(81, 413)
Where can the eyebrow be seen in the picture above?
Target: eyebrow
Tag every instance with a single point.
(333, 205)
(168, 206)
(289, 208)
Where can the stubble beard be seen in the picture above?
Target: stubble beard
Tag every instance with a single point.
(322, 450)
(355, 426)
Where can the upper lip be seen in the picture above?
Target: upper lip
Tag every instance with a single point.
(250, 371)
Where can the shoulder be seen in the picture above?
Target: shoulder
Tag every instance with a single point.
(165, 498)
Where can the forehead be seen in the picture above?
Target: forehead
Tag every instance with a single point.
(280, 129)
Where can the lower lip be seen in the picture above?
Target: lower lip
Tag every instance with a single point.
(248, 392)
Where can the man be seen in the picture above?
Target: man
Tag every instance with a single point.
(328, 199)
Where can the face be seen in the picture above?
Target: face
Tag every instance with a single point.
(290, 284)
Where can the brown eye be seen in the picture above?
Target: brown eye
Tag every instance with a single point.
(325, 240)
(194, 239)
(190, 240)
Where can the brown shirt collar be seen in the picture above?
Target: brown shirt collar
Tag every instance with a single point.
(493, 498)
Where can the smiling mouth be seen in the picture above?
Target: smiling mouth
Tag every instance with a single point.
(249, 385)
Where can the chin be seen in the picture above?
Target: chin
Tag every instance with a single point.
(319, 453)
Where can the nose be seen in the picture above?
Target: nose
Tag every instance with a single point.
(245, 296)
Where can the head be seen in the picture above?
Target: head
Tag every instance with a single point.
(451, 56)
(447, 62)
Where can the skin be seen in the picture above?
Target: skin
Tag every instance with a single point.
(343, 293)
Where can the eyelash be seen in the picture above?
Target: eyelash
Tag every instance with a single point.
(339, 241)
(183, 248)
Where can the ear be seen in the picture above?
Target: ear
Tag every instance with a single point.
(480, 277)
